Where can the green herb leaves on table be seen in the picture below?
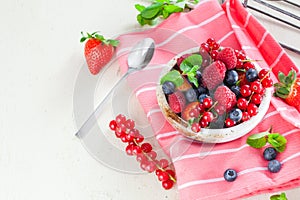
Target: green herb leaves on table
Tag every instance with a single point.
(161, 9)
(259, 140)
(281, 196)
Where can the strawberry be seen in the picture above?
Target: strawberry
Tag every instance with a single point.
(228, 57)
(98, 51)
(214, 74)
(225, 97)
(289, 88)
(186, 112)
(176, 101)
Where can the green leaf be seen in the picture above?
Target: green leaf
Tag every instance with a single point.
(283, 90)
(257, 140)
(139, 7)
(193, 80)
(114, 43)
(194, 59)
(151, 11)
(173, 76)
(281, 77)
(172, 8)
(165, 14)
(282, 196)
(277, 141)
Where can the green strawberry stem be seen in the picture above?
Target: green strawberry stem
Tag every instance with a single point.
(101, 38)
(283, 87)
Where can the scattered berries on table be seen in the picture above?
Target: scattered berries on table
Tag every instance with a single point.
(274, 166)
(269, 153)
(230, 175)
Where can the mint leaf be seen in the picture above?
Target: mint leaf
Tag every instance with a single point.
(172, 8)
(257, 140)
(277, 141)
(190, 61)
(152, 11)
(173, 76)
(139, 7)
(282, 196)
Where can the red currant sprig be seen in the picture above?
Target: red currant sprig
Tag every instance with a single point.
(126, 131)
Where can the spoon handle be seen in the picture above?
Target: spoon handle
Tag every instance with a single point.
(90, 122)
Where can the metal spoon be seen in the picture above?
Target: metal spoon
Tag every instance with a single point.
(138, 58)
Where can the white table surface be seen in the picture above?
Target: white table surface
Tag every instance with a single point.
(40, 158)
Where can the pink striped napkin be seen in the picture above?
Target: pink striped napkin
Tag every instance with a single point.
(199, 166)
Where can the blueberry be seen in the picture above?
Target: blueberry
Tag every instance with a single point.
(191, 95)
(199, 76)
(236, 90)
(270, 153)
(251, 75)
(168, 87)
(274, 166)
(230, 175)
(202, 97)
(202, 90)
(235, 114)
(231, 77)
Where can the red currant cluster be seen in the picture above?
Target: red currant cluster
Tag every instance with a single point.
(251, 93)
(126, 131)
(199, 114)
(209, 50)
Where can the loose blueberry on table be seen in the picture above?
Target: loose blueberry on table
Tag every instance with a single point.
(215, 83)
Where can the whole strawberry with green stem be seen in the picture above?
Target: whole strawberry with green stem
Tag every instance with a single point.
(98, 51)
(288, 88)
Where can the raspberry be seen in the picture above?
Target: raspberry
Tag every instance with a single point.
(176, 101)
(227, 56)
(214, 74)
(225, 97)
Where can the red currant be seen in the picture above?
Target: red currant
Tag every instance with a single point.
(200, 108)
(163, 163)
(242, 103)
(256, 99)
(119, 132)
(205, 47)
(151, 167)
(120, 119)
(205, 62)
(239, 64)
(248, 65)
(194, 113)
(171, 173)
(203, 123)
(263, 73)
(139, 138)
(136, 150)
(229, 122)
(215, 46)
(129, 149)
(267, 82)
(152, 154)
(129, 124)
(141, 157)
(113, 125)
(168, 184)
(130, 137)
(144, 164)
(245, 116)
(207, 102)
(252, 109)
(124, 138)
(256, 87)
(195, 127)
(163, 176)
(158, 172)
(208, 116)
(146, 147)
(214, 54)
(210, 41)
(245, 90)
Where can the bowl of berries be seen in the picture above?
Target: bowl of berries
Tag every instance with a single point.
(214, 94)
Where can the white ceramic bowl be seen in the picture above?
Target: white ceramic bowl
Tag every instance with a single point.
(209, 135)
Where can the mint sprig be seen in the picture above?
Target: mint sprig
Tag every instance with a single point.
(259, 140)
(173, 76)
(190, 66)
(161, 9)
(281, 196)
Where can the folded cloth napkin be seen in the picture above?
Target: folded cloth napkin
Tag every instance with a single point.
(199, 166)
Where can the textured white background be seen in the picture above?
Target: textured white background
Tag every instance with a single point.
(40, 58)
